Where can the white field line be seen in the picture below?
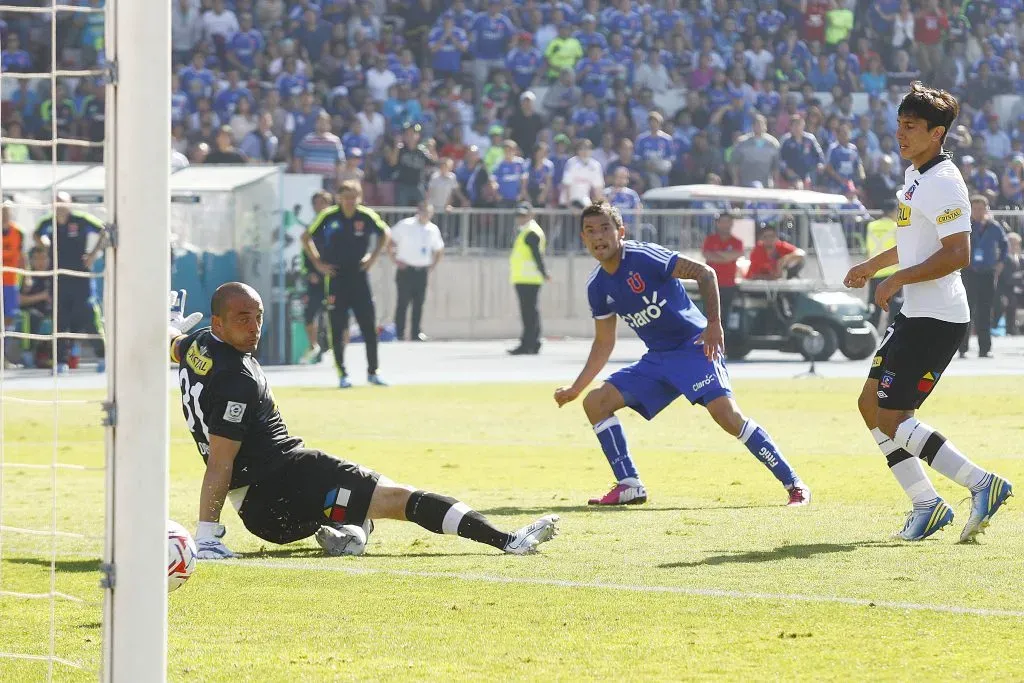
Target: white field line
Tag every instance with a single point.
(677, 590)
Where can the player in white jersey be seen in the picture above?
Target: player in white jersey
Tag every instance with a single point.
(933, 243)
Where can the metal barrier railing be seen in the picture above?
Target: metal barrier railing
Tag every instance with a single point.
(470, 231)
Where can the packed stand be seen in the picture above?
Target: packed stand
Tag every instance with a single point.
(488, 102)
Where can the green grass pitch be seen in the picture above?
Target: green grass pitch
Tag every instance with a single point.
(712, 579)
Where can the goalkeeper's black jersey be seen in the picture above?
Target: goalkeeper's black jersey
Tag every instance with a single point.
(224, 392)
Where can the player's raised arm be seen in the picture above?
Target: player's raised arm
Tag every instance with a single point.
(713, 337)
(600, 351)
(178, 325)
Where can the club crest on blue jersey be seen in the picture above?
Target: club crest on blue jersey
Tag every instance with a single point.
(636, 283)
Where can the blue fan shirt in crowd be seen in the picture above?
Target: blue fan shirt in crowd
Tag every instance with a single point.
(844, 160)
(718, 98)
(408, 75)
(289, 85)
(654, 146)
(771, 21)
(313, 39)
(190, 73)
(627, 201)
(245, 44)
(304, 124)
(644, 293)
(588, 39)
(800, 155)
(351, 77)
(181, 106)
(985, 181)
(539, 173)
(509, 175)
(352, 141)
(491, 36)
(584, 118)
(17, 60)
(227, 100)
(594, 76)
(523, 65)
(448, 58)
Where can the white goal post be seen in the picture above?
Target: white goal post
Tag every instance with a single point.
(137, 157)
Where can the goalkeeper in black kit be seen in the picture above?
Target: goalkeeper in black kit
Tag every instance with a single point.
(283, 491)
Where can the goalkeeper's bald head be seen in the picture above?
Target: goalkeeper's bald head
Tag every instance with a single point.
(231, 293)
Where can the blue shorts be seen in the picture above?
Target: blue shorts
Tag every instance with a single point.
(11, 299)
(661, 377)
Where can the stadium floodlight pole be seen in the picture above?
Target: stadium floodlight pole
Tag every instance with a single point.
(138, 48)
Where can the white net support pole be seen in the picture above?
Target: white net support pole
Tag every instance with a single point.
(138, 203)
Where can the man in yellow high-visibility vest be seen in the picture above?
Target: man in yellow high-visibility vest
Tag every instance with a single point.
(527, 273)
(881, 236)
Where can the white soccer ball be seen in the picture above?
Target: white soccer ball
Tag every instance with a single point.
(181, 555)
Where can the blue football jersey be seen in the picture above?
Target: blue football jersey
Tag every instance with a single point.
(644, 294)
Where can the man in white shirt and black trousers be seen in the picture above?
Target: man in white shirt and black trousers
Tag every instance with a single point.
(933, 244)
(416, 248)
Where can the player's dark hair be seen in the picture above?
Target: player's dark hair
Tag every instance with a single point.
(935, 106)
(602, 208)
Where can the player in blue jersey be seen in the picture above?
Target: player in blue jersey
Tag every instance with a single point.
(640, 282)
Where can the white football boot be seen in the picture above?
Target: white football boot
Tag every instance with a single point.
(526, 540)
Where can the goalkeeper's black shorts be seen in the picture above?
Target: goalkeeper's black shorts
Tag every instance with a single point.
(311, 490)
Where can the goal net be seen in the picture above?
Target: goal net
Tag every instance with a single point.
(83, 428)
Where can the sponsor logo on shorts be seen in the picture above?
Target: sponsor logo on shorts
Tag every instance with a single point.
(234, 412)
(877, 362)
(949, 215)
(927, 382)
(336, 504)
(646, 315)
(882, 394)
(708, 379)
(887, 378)
(198, 359)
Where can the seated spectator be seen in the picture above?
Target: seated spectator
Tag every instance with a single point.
(1012, 184)
(773, 258)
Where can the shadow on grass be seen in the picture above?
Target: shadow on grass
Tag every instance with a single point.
(785, 552)
(66, 566)
(511, 510)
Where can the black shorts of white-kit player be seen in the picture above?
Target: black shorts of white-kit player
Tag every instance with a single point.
(912, 357)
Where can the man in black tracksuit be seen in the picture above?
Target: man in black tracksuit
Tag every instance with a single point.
(337, 242)
(72, 231)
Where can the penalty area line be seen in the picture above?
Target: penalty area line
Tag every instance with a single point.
(676, 590)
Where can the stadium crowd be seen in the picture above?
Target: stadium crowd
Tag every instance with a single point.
(487, 102)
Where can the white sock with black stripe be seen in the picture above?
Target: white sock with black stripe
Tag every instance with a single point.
(927, 444)
(908, 470)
